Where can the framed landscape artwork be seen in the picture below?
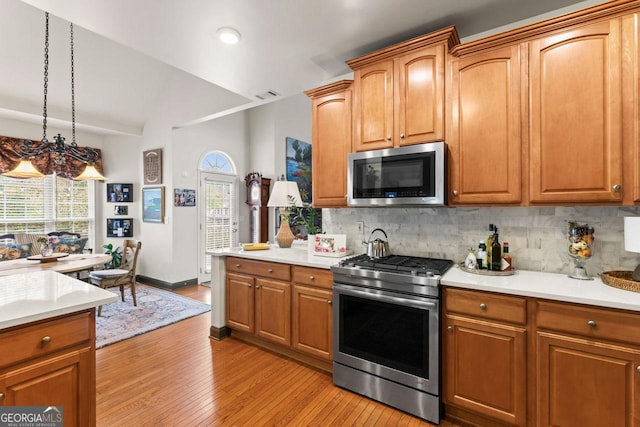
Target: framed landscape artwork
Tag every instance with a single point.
(153, 204)
(184, 197)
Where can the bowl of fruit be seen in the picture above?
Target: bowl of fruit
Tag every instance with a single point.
(580, 248)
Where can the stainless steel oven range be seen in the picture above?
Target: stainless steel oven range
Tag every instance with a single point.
(386, 341)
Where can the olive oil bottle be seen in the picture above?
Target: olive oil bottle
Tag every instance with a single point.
(492, 230)
(496, 253)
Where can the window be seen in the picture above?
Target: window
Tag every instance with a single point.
(42, 205)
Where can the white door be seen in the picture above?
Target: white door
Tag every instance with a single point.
(217, 217)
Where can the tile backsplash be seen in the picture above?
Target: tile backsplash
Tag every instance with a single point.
(537, 236)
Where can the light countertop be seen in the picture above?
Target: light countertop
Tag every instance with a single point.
(36, 296)
(553, 286)
(296, 254)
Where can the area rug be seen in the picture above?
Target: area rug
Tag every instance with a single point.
(156, 308)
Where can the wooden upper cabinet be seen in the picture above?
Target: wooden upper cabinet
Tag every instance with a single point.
(399, 93)
(576, 115)
(484, 130)
(331, 140)
(373, 107)
(419, 96)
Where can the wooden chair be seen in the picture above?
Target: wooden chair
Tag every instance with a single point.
(124, 275)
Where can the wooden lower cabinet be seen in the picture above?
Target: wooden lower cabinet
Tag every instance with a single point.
(259, 306)
(52, 363)
(313, 312)
(485, 359)
(273, 311)
(290, 313)
(586, 383)
(511, 360)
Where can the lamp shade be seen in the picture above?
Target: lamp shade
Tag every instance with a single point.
(285, 194)
(632, 233)
(25, 169)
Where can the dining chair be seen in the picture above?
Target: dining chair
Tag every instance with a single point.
(121, 276)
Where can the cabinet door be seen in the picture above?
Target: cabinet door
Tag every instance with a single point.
(587, 383)
(331, 145)
(273, 311)
(575, 118)
(373, 92)
(240, 303)
(63, 381)
(312, 321)
(485, 368)
(419, 96)
(484, 136)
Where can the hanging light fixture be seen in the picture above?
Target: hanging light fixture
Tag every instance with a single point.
(28, 150)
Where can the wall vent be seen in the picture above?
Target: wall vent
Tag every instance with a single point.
(268, 94)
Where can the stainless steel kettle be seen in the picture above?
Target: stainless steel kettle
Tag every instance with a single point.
(377, 248)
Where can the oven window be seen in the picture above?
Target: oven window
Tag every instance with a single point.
(392, 335)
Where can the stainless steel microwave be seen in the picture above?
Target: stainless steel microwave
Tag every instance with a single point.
(411, 175)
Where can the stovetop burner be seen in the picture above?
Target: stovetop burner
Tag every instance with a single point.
(400, 264)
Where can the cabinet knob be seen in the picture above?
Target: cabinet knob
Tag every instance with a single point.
(638, 368)
(483, 307)
(402, 136)
(592, 323)
(450, 329)
(311, 278)
(45, 340)
(329, 302)
(1, 396)
(248, 285)
(388, 138)
(270, 270)
(237, 265)
(257, 286)
(617, 187)
(455, 193)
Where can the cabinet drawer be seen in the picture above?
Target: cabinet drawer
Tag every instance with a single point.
(588, 321)
(313, 277)
(486, 305)
(259, 268)
(43, 338)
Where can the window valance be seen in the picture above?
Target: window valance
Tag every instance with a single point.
(46, 164)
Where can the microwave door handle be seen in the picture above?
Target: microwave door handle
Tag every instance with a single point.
(387, 298)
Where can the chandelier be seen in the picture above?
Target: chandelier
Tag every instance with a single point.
(58, 150)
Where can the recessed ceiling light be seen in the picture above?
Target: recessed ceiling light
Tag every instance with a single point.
(228, 35)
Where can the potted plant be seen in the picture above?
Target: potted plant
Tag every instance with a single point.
(116, 256)
(306, 216)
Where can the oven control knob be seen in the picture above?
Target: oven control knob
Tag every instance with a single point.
(430, 274)
(414, 272)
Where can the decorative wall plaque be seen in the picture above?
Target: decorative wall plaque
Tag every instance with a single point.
(152, 166)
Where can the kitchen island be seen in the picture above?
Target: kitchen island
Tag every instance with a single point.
(47, 338)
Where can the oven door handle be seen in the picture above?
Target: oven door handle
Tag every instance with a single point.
(387, 298)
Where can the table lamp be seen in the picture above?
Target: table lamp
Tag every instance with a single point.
(632, 240)
(284, 195)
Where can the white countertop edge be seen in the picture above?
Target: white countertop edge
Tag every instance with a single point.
(551, 286)
(294, 255)
(30, 297)
(49, 314)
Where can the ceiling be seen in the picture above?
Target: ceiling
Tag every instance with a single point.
(128, 51)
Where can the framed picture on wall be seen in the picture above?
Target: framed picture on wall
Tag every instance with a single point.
(120, 193)
(153, 204)
(121, 210)
(119, 227)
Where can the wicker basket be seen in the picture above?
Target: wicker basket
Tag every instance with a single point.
(620, 279)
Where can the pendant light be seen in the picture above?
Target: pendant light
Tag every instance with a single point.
(28, 150)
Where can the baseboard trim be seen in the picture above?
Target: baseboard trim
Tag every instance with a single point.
(219, 334)
(166, 285)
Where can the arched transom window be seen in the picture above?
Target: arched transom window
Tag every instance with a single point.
(217, 162)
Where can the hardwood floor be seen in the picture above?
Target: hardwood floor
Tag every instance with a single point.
(177, 376)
